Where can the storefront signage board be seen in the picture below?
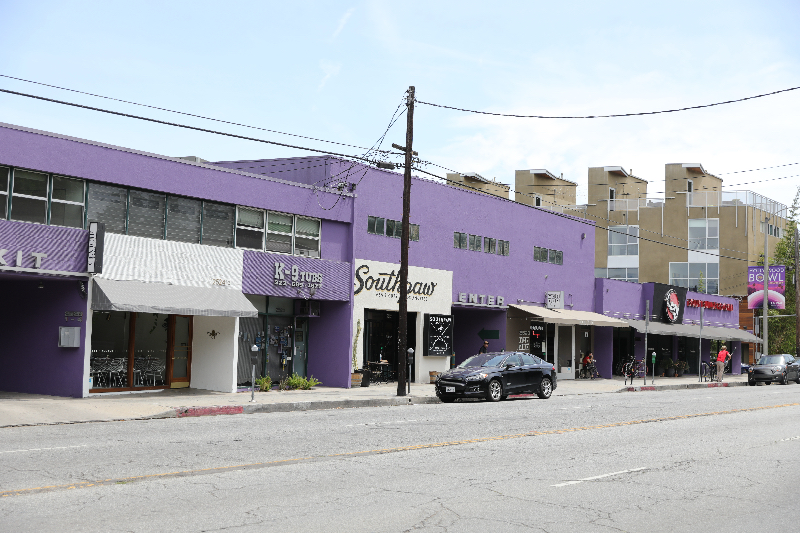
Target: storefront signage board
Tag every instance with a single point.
(438, 334)
(668, 303)
(97, 233)
(290, 276)
(30, 247)
(538, 339)
(776, 289)
(719, 306)
(554, 299)
(481, 300)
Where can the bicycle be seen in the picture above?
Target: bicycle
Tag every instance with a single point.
(708, 371)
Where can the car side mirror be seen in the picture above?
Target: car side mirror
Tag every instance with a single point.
(510, 365)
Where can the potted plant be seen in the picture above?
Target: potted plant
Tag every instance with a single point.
(669, 368)
(680, 367)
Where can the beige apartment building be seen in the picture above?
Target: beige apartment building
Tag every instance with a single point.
(685, 230)
(474, 181)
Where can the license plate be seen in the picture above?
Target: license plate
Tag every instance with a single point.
(449, 389)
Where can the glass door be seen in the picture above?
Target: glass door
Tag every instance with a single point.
(300, 346)
(180, 369)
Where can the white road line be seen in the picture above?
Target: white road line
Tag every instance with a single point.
(379, 423)
(44, 449)
(790, 438)
(575, 482)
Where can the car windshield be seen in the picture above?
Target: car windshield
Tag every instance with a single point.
(771, 360)
(484, 359)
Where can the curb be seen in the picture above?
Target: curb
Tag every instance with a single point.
(247, 409)
(683, 386)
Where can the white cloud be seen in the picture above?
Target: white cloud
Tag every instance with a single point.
(330, 70)
(343, 22)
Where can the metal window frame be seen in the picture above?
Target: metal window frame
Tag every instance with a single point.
(66, 202)
(318, 238)
(45, 199)
(250, 228)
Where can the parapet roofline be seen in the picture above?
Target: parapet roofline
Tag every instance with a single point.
(545, 172)
(178, 160)
(621, 171)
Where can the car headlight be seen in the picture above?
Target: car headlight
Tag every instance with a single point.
(477, 377)
(750, 370)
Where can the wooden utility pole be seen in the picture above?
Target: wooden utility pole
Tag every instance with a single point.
(402, 356)
(796, 290)
(765, 307)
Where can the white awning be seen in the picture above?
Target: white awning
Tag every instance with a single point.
(141, 297)
(564, 316)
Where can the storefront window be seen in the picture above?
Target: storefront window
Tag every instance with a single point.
(150, 350)
(109, 357)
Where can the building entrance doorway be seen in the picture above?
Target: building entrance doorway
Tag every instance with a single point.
(381, 339)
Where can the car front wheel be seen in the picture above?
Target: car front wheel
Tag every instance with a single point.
(495, 392)
(751, 383)
(545, 388)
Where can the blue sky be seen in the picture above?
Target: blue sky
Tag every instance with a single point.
(338, 70)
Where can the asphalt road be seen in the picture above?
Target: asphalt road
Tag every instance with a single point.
(706, 459)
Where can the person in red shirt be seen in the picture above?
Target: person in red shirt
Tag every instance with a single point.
(722, 358)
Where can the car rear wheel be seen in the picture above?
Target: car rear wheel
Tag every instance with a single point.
(545, 388)
(798, 379)
(495, 391)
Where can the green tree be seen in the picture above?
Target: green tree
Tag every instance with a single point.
(701, 283)
(782, 331)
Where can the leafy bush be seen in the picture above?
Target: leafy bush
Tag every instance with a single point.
(681, 365)
(264, 384)
(295, 382)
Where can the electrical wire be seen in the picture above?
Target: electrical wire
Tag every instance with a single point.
(755, 169)
(185, 126)
(181, 112)
(616, 115)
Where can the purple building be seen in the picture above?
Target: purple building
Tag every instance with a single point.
(124, 270)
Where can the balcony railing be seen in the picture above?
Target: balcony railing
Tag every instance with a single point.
(736, 198)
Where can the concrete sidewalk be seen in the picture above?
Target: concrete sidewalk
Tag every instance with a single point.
(18, 409)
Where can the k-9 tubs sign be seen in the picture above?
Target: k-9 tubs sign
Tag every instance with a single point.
(294, 277)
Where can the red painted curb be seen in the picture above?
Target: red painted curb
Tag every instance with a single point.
(209, 411)
(717, 385)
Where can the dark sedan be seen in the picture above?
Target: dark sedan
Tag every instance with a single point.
(782, 368)
(494, 376)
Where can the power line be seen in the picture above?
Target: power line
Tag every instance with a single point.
(181, 112)
(616, 115)
(185, 126)
(755, 169)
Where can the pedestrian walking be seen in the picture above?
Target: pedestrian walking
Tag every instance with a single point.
(485, 347)
(722, 358)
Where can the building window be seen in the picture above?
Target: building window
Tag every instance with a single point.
(306, 240)
(697, 277)
(218, 224)
(475, 243)
(250, 229)
(29, 197)
(502, 247)
(704, 234)
(394, 228)
(67, 201)
(537, 200)
(545, 255)
(4, 192)
(375, 225)
(621, 274)
(146, 214)
(623, 240)
(460, 240)
(489, 245)
(280, 227)
(184, 218)
(109, 205)
(414, 232)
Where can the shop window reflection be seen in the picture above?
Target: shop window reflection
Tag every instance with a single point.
(150, 350)
(109, 357)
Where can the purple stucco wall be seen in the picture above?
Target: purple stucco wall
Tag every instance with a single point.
(329, 344)
(468, 322)
(66, 248)
(30, 358)
(81, 159)
(336, 241)
(604, 350)
(616, 298)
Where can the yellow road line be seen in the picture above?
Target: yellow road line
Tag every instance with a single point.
(112, 481)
